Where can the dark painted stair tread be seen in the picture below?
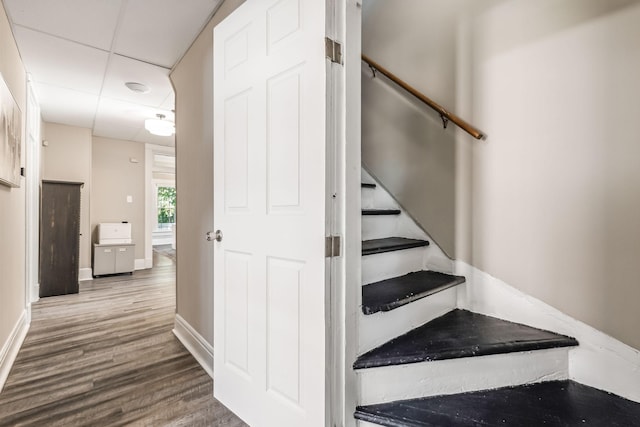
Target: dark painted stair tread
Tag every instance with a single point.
(368, 185)
(388, 244)
(461, 333)
(554, 404)
(398, 291)
(380, 211)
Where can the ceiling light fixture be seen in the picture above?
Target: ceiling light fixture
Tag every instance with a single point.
(137, 87)
(160, 126)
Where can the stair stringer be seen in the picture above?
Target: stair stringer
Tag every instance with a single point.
(599, 361)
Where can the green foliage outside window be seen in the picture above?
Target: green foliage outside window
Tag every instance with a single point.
(166, 206)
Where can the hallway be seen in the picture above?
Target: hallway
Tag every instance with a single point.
(107, 356)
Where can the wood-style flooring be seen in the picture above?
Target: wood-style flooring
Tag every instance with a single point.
(107, 357)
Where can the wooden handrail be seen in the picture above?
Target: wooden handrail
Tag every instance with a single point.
(444, 114)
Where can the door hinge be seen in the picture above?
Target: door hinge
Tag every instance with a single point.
(332, 246)
(333, 50)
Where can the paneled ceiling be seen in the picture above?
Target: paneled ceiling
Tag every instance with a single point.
(80, 53)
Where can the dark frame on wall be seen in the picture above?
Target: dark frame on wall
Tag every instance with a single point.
(10, 137)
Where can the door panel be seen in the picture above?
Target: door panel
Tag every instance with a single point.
(269, 201)
(236, 309)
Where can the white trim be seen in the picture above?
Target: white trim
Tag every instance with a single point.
(148, 200)
(199, 348)
(12, 346)
(140, 264)
(599, 361)
(85, 274)
(343, 82)
(32, 194)
(149, 189)
(35, 293)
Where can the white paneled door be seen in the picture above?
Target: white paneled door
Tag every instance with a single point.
(270, 289)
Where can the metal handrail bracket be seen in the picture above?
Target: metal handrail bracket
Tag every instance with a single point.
(445, 115)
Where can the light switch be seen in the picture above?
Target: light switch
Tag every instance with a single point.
(129, 199)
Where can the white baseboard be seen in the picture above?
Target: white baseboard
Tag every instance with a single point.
(85, 274)
(599, 361)
(140, 264)
(35, 292)
(201, 350)
(148, 263)
(11, 347)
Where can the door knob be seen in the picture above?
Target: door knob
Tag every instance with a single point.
(217, 236)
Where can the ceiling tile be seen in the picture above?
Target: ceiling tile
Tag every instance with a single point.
(61, 63)
(90, 22)
(112, 112)
(66, 106)
(169, 103)
(115, 132)
(145, 136)
(122, 70)
(160, 31)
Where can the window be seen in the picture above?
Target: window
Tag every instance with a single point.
(166, 207)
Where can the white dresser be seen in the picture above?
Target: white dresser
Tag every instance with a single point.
(115, 251)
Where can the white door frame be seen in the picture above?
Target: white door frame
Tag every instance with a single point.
(344, 167)
(156, 183)
(32, 198)
(149, 151)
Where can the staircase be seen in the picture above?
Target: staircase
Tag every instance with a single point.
(424, 362)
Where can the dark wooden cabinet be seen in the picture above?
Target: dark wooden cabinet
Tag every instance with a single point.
(59, 237)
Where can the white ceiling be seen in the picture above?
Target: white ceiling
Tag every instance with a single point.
(81, 52)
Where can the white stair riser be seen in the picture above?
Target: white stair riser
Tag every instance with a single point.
(402, 225)
(387, 384)
(376, 197)
(398, 263)
(391, 264)
(366, 424)
(380, 226)
(376, 329)
(368, 199)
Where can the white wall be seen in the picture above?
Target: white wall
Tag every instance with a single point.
(404, 144)
(114, 178)
(550, 202)
(193, 83)
(12, 209)
(556, 189)
(68, 158)
(109, 176)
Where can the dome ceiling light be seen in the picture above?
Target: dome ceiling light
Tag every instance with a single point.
(160, 126)
(137, 87)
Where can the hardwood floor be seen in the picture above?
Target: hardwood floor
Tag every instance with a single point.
(107, 357)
